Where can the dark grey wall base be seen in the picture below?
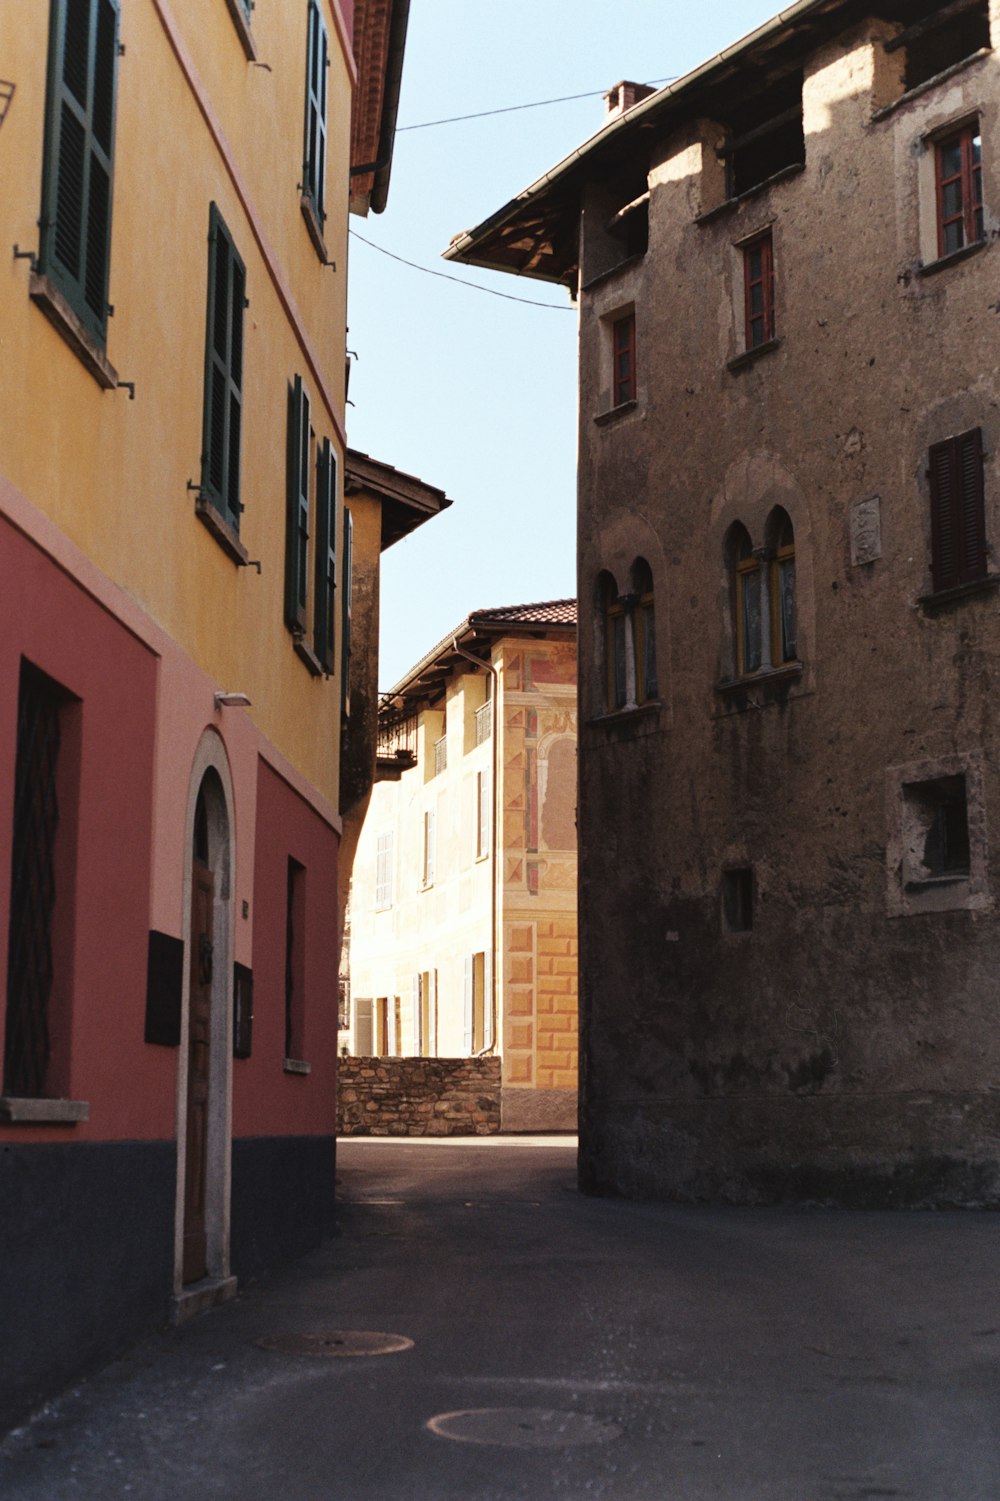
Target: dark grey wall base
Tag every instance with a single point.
(894, 1152)
(86, 1259)
(282, 1199)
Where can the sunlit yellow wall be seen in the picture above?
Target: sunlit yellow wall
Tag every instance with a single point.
(113, 473)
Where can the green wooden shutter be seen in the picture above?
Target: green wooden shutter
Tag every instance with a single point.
(75, 247)
(345, 629)
(326, 554)
(314, 157)
(223, 416)
(297, 509)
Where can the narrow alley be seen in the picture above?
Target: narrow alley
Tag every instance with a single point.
(561, 1347)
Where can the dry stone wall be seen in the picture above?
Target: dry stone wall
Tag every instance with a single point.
(418, 1097)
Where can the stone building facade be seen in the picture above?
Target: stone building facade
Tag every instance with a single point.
(463, 938)
(789, 550)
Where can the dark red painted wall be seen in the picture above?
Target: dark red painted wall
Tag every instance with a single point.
(266, 1100)
(48, 619)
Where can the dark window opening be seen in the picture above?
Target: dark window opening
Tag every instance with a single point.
(941, 38)
(737, 899)
(294, 960)
(36, 911)
(937, 832)
(630, 228)
(765, 136)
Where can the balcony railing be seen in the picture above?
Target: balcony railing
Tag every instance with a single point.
(397, 731)
(484, 722)
(440, 755)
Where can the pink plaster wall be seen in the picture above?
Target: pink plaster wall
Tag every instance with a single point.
(266, 1100)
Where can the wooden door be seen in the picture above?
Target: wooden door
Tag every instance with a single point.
(199, 1057)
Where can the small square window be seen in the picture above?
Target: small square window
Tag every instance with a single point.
(737, 899)
(936, 830)
(936, 852)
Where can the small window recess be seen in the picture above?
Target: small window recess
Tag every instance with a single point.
(936, 832)
(764, 137)
(738, 899)
(943, 38)
(630, 226)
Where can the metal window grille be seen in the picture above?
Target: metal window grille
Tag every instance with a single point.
(484, 722)
(440, 755)
(33, 892)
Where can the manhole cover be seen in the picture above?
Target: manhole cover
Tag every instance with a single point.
(523, 1427)
(336, 1342)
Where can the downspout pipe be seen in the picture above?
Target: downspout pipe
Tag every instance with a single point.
(494, 822)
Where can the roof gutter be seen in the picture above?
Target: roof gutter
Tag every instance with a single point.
(466, 241)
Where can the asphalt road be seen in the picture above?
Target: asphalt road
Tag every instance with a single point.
(563, 1347)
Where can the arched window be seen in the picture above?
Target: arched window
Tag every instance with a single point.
(643, 631)
(782, 546)
(747, 602)
(611, 622)
(763, 596)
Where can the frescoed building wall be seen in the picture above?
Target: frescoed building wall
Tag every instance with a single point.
(463, 902)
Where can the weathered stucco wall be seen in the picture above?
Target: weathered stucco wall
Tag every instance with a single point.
(844, 1047)
(419, 1097)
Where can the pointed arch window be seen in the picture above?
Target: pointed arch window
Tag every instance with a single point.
(612, 620)
(628, 632)
(763, 585)
(644, 632)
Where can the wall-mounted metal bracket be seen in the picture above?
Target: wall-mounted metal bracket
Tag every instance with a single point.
(129, 386)
(26, 255)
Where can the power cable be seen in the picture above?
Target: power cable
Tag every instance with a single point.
(473, 286)
(511, 108)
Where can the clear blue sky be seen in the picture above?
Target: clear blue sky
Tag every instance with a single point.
(473, 393)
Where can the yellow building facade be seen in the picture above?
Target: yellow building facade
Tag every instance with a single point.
(463, 900)
(175, 650)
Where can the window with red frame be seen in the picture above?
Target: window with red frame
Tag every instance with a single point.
(758, 283)
(623, 350)
(959, 190)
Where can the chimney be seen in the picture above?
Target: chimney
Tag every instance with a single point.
(623, 96)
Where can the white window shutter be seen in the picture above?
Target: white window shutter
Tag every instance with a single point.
(469, 1002)
(416, 1016)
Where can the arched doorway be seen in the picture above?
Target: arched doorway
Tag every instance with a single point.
(204, 1081)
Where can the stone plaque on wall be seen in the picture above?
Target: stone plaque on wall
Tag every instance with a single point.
(866, 530)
